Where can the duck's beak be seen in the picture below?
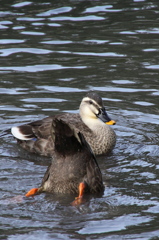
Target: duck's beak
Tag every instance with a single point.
(111, 122)
(104, 117)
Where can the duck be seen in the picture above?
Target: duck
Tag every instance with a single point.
(74, 168)
(92, 121)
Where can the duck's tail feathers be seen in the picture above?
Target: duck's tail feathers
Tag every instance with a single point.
(67, 140)
(23, 132)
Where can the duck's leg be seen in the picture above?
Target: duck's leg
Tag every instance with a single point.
(32, 192)
(79, 200)
(81, 188)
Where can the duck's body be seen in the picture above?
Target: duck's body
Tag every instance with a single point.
(36, 136)
(74, 168)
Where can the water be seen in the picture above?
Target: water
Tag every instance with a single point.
(51, 54)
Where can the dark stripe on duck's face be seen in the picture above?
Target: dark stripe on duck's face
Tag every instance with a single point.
(102, 115)
(92, 102)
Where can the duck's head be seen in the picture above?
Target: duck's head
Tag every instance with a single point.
(92, 109)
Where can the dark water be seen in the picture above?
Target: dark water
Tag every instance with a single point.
(51, 53)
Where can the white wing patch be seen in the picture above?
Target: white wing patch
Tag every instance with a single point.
(19, 135)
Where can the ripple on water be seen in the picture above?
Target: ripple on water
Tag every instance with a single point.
(40, 68)
(3, 27)
(10, 41)
(97, 41)
(114, 225)
(18, 27)
(13, 91)
(34, 100)
(54, 24)
(60, 89)
(57, 42)
(10, 13)
(6, 22)
(8, 51)
(96, 9)
(54, 11)
(152, 30)
(143, 103)
(150, 50)
(12, 108)
(155, 67)
(123, 82)
(103, 54)
(32, 33)
(21, 4)
(76, 19)
(124, 89)
(81, 34)
(30, 19)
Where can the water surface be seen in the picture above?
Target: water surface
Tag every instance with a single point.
(51, 54)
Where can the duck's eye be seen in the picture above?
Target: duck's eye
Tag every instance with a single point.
(90, 102)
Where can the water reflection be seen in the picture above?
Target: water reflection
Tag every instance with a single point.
(51, 54)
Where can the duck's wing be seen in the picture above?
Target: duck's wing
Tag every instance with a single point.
(46, 175)
(37, 129)
(70, 142)
(67, 145)
(65, 137)
(93, 176)
(41, 128)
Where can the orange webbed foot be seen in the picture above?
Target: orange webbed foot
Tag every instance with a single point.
(32, 192)
(78, 201)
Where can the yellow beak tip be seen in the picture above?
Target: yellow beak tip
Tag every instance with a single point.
(111, 122)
